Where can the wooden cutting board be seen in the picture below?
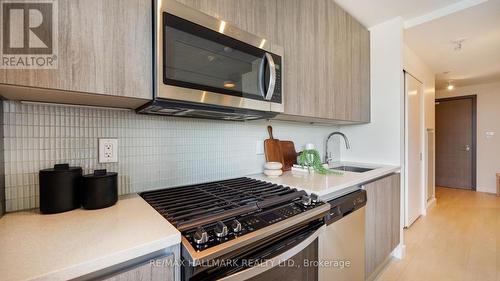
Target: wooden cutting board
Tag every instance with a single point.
(272, 148)
(289, 154)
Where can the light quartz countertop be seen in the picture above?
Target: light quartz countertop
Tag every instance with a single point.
(72, 244)
(329, 187)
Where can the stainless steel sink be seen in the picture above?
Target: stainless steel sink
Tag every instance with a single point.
(352, 169)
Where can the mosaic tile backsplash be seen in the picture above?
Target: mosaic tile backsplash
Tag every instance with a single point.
(153, 151)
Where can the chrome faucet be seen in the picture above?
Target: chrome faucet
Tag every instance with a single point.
(328, 155)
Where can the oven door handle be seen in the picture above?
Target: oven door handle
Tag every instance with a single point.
(275, 261)
(267, 94)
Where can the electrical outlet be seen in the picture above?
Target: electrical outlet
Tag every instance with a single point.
(108, 150)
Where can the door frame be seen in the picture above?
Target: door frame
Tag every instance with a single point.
(474, 132)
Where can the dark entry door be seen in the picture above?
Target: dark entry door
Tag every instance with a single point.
(455, 142)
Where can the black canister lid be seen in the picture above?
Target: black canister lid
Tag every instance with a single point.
(103, 173)
(61, 168)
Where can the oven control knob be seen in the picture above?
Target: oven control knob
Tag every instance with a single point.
(220, 230)
(236, 226)
(306, 200)
(200, 236)
(314, 198)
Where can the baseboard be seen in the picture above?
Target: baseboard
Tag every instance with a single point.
(399, 252)
(431, 203)
(380, 269)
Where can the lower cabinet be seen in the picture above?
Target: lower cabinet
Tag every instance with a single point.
(382, 222)
(160, 269)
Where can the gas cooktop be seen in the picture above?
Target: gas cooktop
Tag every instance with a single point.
(224, 215)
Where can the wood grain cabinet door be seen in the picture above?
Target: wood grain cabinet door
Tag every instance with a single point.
(162, 270)
(304, 31)
(104, 47)
(360, 73)
(364, 76)
(382, 221)
(327, 61)
(350, 67)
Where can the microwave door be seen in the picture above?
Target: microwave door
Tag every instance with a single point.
(197, 58)
(252, 80)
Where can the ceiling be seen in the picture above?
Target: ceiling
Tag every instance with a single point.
(479, 59)
(373, 12)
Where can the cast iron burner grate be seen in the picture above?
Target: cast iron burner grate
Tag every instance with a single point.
(195, 205)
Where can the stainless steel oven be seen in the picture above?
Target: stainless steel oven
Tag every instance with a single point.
(244, 229)
(205, 67)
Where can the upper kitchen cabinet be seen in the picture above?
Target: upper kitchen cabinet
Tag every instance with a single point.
(327, 63)
(303, 25)
(350, 69)
(104, 57)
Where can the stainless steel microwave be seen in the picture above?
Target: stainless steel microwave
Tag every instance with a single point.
(207, 68)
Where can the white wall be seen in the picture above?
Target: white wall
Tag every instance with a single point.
(418, 69)
(381, 140)
(488, 120)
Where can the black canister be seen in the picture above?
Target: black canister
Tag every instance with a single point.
(99, 190)
(60, 189)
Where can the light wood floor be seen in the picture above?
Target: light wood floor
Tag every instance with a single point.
(459, 239)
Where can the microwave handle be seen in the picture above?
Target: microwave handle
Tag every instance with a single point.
(272, 79)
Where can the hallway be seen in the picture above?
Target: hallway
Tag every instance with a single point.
(458, 240)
